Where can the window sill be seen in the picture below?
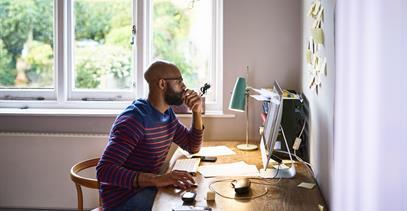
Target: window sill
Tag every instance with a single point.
(90, 113)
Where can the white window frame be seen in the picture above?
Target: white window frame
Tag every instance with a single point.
(62, 95)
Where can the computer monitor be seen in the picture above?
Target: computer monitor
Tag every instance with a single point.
(270, 134)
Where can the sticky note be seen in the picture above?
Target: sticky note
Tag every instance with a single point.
(306, 185)
(316, 8)
(308, 56)
(318, 35)
(311, 9)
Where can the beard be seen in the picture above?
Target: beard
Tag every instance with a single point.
(173, 98)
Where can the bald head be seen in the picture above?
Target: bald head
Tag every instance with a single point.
(160, 69)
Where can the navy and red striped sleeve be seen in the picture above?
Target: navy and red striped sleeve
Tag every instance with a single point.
(124, 136)
(188, 139)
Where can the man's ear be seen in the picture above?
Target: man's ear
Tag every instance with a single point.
(161, 84)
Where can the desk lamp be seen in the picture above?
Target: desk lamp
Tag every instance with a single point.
(240, 102)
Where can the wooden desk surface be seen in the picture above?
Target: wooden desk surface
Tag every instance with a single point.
(282, 195)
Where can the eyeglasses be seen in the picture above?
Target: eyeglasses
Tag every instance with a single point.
(178, 79)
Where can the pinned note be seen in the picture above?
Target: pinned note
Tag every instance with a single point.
(311, 9)
(308, 56)
(318, 35)
(316, 8)
(309, 51)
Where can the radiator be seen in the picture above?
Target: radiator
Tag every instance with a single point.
(35, 168)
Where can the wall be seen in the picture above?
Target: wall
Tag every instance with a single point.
(321, 104)
(370, 115)
(357, 119)
(35, 169)
(265, 34)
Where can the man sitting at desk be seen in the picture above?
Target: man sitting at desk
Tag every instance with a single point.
(140, 139)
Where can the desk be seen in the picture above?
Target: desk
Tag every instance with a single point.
(284, 195)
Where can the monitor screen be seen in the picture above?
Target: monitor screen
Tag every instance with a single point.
(272, 124)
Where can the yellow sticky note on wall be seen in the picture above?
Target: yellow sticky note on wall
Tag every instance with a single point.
(311, 9)
(308, 56)
(318, 35)
(316, 8)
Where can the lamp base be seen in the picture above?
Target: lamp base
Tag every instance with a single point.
(247, 147)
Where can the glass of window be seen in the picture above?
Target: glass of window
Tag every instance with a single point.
(102, 49)
(26, 44)
(182, 33)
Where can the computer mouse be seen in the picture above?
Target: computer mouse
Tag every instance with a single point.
(241, 186)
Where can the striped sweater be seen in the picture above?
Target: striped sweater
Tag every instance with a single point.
(139, 142)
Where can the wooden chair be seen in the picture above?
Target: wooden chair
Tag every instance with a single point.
(84, 181)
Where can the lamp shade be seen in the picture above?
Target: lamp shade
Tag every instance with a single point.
(238, 100)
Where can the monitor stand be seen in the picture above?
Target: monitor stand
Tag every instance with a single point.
(271, 173)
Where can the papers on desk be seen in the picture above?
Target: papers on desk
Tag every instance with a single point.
(211, 151)
(229, 169)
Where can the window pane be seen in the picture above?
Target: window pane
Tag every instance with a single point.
(102, 49)
(182, 34)
(26, 44)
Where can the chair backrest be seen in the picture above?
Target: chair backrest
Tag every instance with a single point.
(83, 181)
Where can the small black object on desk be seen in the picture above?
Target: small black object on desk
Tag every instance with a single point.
(188, 197)
(241, 186)
(206, 158)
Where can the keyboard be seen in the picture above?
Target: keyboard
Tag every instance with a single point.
(188, 165)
